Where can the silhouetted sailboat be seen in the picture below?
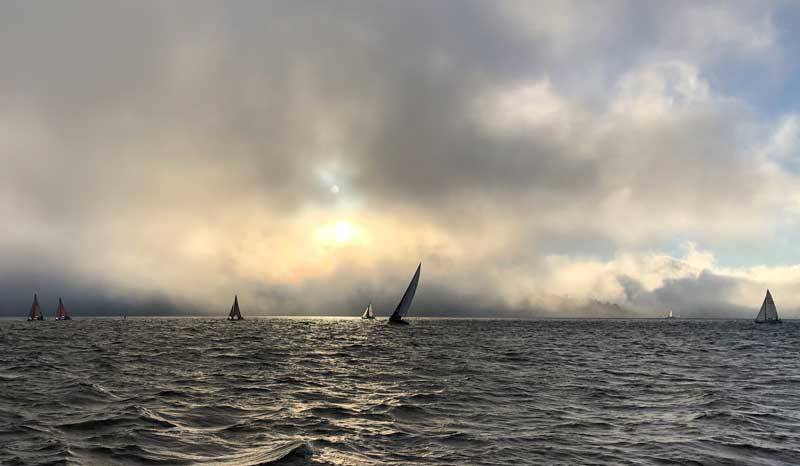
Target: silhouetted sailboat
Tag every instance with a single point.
(61, 313)
(405, 302)
(235, 314)
(768, 313)
(36, 312)
(368, 313)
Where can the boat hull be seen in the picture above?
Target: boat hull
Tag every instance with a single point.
(397, 322)
(768, 322)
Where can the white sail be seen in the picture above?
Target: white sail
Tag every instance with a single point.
(768, 311)
(408, 296)
(762, 314)
(368, 313)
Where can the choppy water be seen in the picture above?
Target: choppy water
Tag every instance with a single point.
(350, 392)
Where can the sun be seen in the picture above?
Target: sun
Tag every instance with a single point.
(343, 232)
(339, 233)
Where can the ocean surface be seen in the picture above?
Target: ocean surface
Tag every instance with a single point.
(188, 391)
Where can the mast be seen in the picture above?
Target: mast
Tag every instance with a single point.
(405, 302)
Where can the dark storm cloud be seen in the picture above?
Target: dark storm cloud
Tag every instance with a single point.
(249, 82)
(703, 296)
(133, 131)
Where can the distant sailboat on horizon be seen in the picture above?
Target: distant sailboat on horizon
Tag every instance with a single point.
(235, 314)
(36, 311)
(405, 302)
(368, 313)
(670, 315)
(768, 314)
(61, 313)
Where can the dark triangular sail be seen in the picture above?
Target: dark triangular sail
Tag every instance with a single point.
(235, 314)
(408, 296)
(36, 311)
(61, 313)
(768, 311)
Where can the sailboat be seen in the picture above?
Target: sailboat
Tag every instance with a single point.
(36, 311)
(235, 314)
(670, 315)
(61, 313)
(768, 313)
(368, 313)
(405, 302)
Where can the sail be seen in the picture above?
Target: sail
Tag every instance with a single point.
(768, 311)
(405, 302)
(36, 311)
(61, 313)
(235, 314)
(368, 313)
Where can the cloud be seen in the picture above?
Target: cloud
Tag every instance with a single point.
(537, 158)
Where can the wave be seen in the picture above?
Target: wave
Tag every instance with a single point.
(130, 416)
(196, 392)
(283, 454)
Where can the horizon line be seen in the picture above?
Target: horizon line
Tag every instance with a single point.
(466, 317)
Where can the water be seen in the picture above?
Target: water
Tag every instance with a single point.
(352, 392)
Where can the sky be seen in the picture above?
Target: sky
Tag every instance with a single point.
(540, 159)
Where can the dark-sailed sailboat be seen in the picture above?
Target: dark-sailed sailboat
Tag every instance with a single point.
(368, 313)
(405, 302)
(768, 313)
(36, 311)
(61, 313)
(235, 314)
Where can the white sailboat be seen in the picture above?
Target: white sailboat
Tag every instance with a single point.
(768, 314)
(368, 313)
(405, 302)
(670, 315)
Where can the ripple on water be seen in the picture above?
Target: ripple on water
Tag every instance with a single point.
(344, 392)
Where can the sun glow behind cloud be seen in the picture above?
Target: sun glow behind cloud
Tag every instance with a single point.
(338, 234)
